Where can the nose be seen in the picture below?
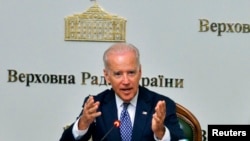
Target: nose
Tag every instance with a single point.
(125, 79)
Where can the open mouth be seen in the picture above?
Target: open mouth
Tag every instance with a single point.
(126, 91)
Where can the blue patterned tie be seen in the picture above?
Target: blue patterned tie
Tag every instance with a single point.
(126, 125)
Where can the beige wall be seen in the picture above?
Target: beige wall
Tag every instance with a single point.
(215, 68)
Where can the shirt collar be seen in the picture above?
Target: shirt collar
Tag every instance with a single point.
(119, 101)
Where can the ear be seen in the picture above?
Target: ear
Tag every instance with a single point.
(140, 70)
(106, 75)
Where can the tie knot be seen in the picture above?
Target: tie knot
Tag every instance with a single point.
(125, 105)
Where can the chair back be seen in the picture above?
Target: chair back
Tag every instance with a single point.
(189, 123)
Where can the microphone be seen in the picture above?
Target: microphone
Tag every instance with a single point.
(116, 125)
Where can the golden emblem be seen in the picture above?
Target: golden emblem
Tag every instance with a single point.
(95, 24)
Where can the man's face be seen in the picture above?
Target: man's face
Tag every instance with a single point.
(123, 74)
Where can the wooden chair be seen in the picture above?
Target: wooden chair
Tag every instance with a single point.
(189, 123)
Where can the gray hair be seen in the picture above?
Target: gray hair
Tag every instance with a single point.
(120, 48)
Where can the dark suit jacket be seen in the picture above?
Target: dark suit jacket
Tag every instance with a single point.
(142, 123)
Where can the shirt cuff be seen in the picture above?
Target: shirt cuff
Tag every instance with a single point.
(76, 132)
(166, 136)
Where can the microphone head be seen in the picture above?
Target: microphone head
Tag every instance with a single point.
(117, 123)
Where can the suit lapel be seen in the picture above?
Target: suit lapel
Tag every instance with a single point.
(110, 110)
(142, 115)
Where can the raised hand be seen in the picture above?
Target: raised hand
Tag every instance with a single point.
(158, 119)
(89, 113)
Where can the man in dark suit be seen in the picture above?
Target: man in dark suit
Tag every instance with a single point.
(151, 116)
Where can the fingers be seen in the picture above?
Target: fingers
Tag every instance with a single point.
(160, 113)
(160, 110)
(90, 108)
